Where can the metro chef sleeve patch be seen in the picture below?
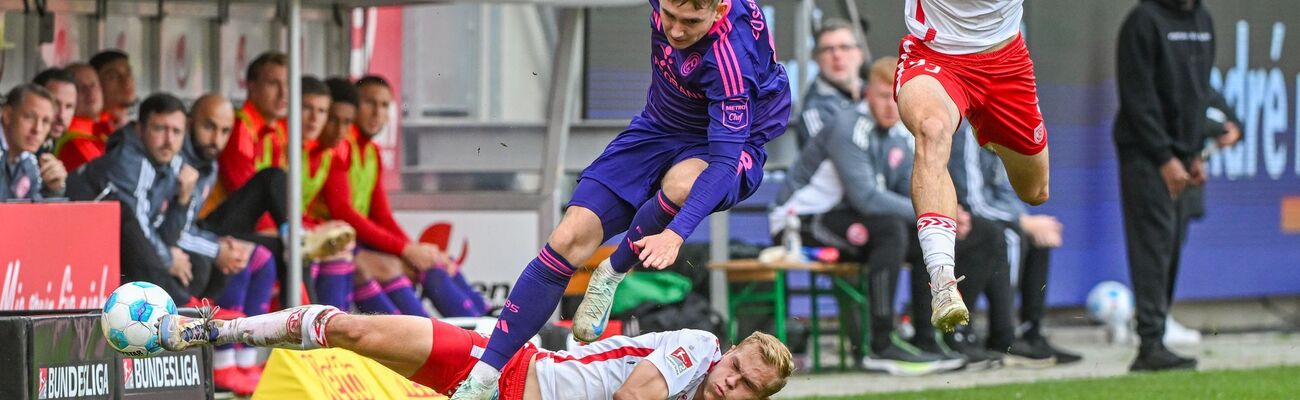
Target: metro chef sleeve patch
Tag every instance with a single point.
(735, 113)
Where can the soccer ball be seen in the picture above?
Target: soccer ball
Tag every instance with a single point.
(1111, 303)
(131, 316)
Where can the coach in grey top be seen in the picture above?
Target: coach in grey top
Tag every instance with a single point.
(871, 162)
(837, 86)
(141, 173)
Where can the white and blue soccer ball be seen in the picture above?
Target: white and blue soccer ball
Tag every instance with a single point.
(1111, 303)
(130, 318)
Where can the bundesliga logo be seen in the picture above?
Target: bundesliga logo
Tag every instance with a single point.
(73, 381)
(162, 372)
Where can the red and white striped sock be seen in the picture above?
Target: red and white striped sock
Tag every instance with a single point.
(938, 235)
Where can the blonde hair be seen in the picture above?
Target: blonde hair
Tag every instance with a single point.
(883, 70)
(775, 354)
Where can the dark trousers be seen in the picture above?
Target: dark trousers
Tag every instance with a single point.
(1034, 262)
(207, 281)
(982, 258)
(878, 242)
(265, 193)
(140, 262)
(1154, 227)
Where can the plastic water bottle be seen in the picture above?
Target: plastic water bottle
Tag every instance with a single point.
(823, 254)
(792, 242)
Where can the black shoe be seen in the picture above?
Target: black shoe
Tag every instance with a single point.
(977, 358)
(1159, 358)
(1022, 354)
(1062, 356)
(903, 359)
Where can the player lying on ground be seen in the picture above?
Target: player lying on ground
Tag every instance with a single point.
(717, 95)
(684, 364)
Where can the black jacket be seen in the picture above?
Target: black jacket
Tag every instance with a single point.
(145, 188)
(1163, 67)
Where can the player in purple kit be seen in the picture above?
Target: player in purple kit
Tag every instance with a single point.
(717, 95)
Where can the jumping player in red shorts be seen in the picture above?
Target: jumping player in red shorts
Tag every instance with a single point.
(966, 59)
(684, 364)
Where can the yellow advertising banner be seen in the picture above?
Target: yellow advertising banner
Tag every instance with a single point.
(334, 374)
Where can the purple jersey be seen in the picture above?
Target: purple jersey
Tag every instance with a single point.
(728, 86)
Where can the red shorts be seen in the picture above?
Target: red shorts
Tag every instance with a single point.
(995, 91)
(453, 355)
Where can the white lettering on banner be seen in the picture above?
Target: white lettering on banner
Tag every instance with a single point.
(1259, 96)
(14, 295)
(170, 371)
(73, 381)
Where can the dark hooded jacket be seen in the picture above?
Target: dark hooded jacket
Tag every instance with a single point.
(1164, 57)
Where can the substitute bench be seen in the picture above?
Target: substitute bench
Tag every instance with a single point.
(747, 296)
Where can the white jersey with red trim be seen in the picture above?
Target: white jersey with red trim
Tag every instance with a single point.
(963, 26)
(597, 370)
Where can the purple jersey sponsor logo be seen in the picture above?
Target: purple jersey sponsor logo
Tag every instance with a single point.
(665, 63)
(756, 23)
(692, 62)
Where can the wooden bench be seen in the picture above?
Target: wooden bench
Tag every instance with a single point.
(751, 299)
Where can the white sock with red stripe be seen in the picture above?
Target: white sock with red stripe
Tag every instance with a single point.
(301, 328)
(938, 235)
(314, 321)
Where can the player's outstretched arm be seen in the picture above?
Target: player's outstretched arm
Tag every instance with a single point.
(645, 382)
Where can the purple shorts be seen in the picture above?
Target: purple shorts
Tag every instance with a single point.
(630, 169)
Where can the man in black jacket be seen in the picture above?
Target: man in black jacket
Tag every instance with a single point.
(142, 171)
(1166, 50)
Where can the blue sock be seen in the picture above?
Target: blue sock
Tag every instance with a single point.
(253, 282)
(452, 296)
(334, 283)
(650, 219)
(400, 292)
(530, 304)
(262, 277)
(232, 297)
(479, 305)
(370, 299)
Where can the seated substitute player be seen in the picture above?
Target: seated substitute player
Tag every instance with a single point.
(86, 136)
(966, 59)
(717, 95)
(63, 87)
(684, 364)
(354, 192)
